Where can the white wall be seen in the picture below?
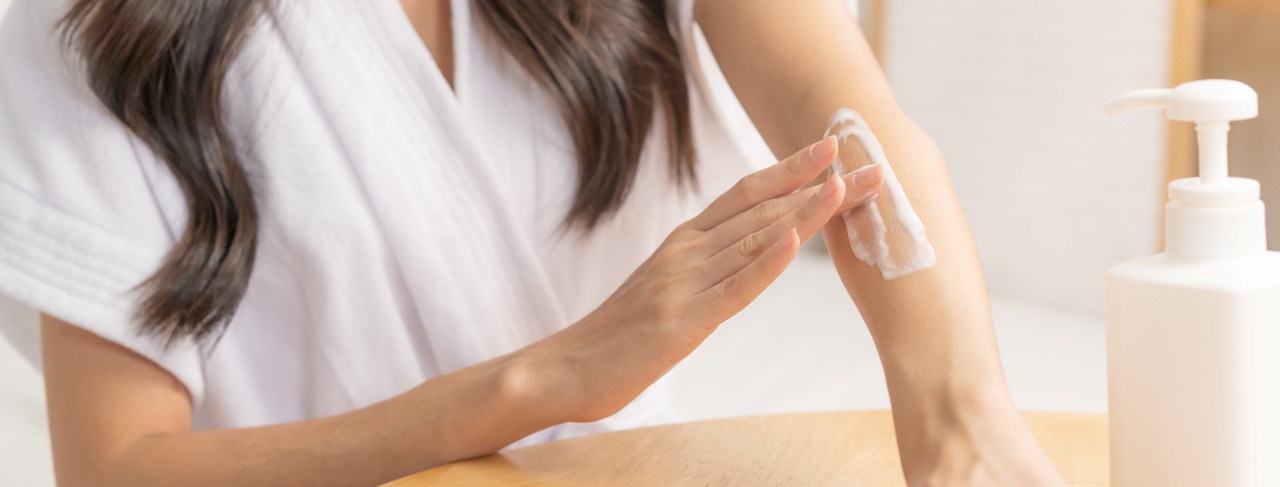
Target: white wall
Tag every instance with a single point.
(1013, 91)
(24, 443)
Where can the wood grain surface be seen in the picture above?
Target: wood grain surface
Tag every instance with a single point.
(854, 448)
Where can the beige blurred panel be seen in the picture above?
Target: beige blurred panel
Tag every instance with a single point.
(1246, 4)
(1185, 65)
(1241, 39)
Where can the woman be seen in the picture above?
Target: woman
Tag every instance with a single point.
(337, 242)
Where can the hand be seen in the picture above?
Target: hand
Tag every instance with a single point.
(706, 271)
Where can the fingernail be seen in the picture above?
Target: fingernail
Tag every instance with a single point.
(823, 148)
(827, 188)
(868, 176)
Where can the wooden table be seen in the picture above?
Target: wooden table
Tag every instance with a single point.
(839, 448)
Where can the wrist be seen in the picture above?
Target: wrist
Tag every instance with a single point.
(948, 396)
(534, 383)
(590, 370)
(951, 403)
(975, 428)
(951, 380)
(946, 415)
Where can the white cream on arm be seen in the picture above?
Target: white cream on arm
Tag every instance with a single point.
(886, 232)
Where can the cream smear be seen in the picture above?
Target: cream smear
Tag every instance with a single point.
(885, 232)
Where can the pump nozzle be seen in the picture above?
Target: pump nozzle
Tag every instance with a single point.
(1134, 100)
(1212, 104)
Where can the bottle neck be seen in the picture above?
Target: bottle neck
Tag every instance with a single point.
(1211, 137)
(1201, 233)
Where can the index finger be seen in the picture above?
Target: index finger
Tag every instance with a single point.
(777, 180)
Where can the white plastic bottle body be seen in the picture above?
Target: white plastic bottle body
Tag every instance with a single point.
(1193, 367)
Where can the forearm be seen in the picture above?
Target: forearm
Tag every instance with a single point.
(449, 418)
(138, 434)
(932, 327)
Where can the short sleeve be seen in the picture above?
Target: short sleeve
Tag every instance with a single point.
(86, 210)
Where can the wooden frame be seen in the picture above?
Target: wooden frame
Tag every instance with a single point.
(1246, 4)
(1186, 64)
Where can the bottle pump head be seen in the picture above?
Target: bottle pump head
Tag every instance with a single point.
(1212, 216)
(1212, 104)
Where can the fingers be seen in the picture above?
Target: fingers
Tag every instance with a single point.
(738, 290)
(806, 221)
(862, 185)
(777, 180)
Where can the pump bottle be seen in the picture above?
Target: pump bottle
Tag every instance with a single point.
(1193, 333)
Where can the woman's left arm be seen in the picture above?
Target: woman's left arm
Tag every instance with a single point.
(793, 65)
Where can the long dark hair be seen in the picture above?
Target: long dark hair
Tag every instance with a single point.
(159, 67)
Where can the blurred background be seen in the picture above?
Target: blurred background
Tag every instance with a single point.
(1055, 193)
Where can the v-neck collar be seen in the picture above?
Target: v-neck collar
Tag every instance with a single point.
(417, 51)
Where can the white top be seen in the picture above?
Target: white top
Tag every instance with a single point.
(407, 230)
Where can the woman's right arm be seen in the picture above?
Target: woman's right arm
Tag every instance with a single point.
(117, 418)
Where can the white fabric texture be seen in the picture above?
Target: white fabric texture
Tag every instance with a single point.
(408, 230)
